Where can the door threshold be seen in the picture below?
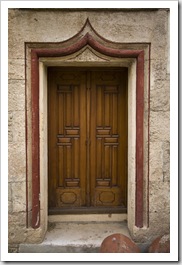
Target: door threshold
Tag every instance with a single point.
(122, 217)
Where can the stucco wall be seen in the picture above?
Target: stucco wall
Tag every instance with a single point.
(141, 26)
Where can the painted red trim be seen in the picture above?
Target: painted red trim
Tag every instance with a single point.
(26, 139)
(139, 140)
(86, 40)
(35, 140)
(119, 53)
(110, 51)
(148, 135)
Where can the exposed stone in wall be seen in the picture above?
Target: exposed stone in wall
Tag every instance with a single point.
(9, 198)
(16, 153)
(166, 159)
(159, 161)
(160, 36)
(159, 126)
(17, 234)
(19, 196)
(159, 96)
(10, 127)
(159, 196)
(16, 93)
(159, 223)
(13, 248)
(156, 161)
(17, 227)
(17, 162)
(121, 27)
(16, 69)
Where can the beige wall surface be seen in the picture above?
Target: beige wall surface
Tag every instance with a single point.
(141, 26)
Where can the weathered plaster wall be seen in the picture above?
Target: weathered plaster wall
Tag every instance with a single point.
(118, 26)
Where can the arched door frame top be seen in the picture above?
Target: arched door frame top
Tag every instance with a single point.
(104, 47)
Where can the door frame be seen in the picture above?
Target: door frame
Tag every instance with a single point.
(37, 147)
(42, 57)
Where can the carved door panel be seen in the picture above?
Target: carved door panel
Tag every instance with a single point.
(66, 138)
(108, 170)
(87, 139)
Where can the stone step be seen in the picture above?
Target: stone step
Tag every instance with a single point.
(75, 237)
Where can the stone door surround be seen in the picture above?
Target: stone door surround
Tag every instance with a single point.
(87, 37)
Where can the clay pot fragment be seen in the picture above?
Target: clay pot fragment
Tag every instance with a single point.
(118, 243)
(160, 245)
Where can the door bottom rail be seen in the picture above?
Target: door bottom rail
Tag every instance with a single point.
(87, 210)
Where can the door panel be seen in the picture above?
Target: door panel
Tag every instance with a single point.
(67, 135)
(87, 138)
(108, 139)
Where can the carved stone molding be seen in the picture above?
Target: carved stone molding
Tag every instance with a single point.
(87, 45)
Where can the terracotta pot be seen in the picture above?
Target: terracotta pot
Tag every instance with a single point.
(118, 243)
(160, 245)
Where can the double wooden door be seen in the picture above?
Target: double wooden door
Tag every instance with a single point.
(87, 139)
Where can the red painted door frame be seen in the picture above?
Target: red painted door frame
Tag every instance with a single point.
(117, 53)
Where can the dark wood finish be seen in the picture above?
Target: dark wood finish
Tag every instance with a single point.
(67, 138)
(108, 149)
(87, 138)
(89, 210)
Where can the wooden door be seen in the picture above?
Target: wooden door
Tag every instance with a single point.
(108, 149)
(87, 139)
